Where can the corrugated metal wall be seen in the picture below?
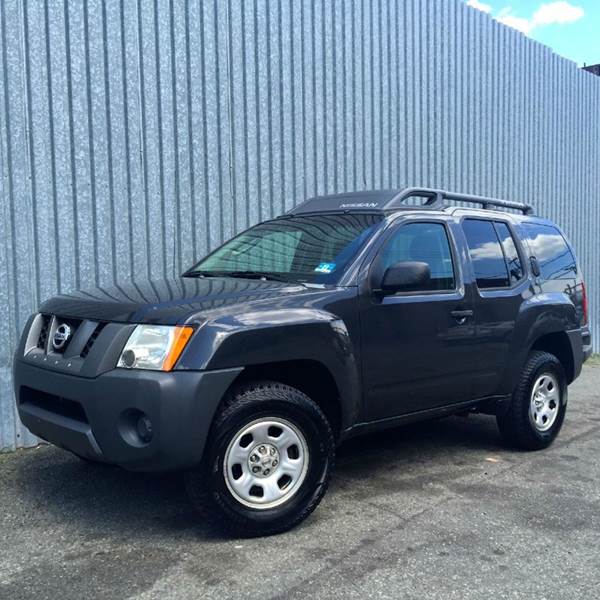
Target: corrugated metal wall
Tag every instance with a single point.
(136, 135)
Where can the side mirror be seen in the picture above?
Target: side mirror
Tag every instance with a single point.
(406, 276)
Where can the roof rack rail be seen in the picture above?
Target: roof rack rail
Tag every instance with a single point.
(435, 200)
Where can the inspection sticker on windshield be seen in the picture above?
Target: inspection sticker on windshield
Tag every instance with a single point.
(325, 268)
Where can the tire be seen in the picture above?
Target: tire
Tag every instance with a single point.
(294, 437)
(531, 421)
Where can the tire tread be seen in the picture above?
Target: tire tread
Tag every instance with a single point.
(514, 424)
(210, 506)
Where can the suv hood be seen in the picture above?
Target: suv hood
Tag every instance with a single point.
(166, 302)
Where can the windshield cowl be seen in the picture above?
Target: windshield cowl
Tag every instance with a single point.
(239, 274)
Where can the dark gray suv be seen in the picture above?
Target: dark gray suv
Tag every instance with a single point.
(349, 314)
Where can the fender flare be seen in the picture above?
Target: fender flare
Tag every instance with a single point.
(282, 335)
(534, 321)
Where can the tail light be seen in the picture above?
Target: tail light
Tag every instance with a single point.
(584, 304)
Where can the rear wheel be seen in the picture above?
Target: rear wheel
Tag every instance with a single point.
(267, 460)
(538, 405)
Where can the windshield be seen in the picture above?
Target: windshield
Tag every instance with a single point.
(307, 249)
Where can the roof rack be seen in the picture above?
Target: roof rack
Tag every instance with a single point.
(386, 200)
(435, 200)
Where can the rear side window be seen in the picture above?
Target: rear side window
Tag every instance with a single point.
(513, 261)
(486, 254)
(554, 256)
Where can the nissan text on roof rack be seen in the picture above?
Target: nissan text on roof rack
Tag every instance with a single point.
(351, 313)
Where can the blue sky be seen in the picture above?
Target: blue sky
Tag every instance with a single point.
(570, 27)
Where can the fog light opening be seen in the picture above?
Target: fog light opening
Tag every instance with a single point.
(136, 428)
(144, 428)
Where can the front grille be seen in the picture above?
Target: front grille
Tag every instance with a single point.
(43, 339)
(92, 339)
(54, 404)
(72, 325)
(51, 328)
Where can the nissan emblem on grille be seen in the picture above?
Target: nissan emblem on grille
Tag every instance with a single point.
(61, 336)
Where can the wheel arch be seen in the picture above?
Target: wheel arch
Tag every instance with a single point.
(309, 376)
(544, 323)
(557, 343)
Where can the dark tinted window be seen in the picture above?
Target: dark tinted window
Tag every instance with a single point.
(515, 269)
(553, 255)
(486, 254)
(423, 242)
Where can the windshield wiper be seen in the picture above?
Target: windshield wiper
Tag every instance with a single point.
(205, 274)
(258, 275)
(240, 274)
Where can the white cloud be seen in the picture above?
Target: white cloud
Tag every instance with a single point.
(557, 12)
(550, 13)
(519, 23)
(486, 8)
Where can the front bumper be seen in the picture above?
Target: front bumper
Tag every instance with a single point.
(97, 417)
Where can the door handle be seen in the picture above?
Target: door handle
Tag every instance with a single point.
(461, 315)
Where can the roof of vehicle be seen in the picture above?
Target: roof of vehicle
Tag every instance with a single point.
(404, 199)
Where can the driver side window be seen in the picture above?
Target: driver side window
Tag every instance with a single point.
(427, 243)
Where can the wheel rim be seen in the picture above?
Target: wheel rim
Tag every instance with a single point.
(545, 402)
(266, 463)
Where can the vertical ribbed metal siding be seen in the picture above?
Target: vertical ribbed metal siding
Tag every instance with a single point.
(135, 136)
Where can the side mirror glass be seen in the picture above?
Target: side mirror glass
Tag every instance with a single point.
(406, 276)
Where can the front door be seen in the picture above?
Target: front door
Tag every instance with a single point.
(418, 347)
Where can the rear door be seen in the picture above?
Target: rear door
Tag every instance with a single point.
(499, 286)
(418, 346)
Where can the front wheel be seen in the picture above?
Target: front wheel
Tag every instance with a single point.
(538, 405)
(267, 460)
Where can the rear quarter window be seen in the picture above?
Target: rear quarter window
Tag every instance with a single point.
(552, 252)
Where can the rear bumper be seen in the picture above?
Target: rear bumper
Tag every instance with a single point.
(581, 348)
(97, 417)
(587, 342)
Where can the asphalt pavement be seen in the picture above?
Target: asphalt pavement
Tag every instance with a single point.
(434, 510)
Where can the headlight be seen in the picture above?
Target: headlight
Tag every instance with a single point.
(155, 347)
